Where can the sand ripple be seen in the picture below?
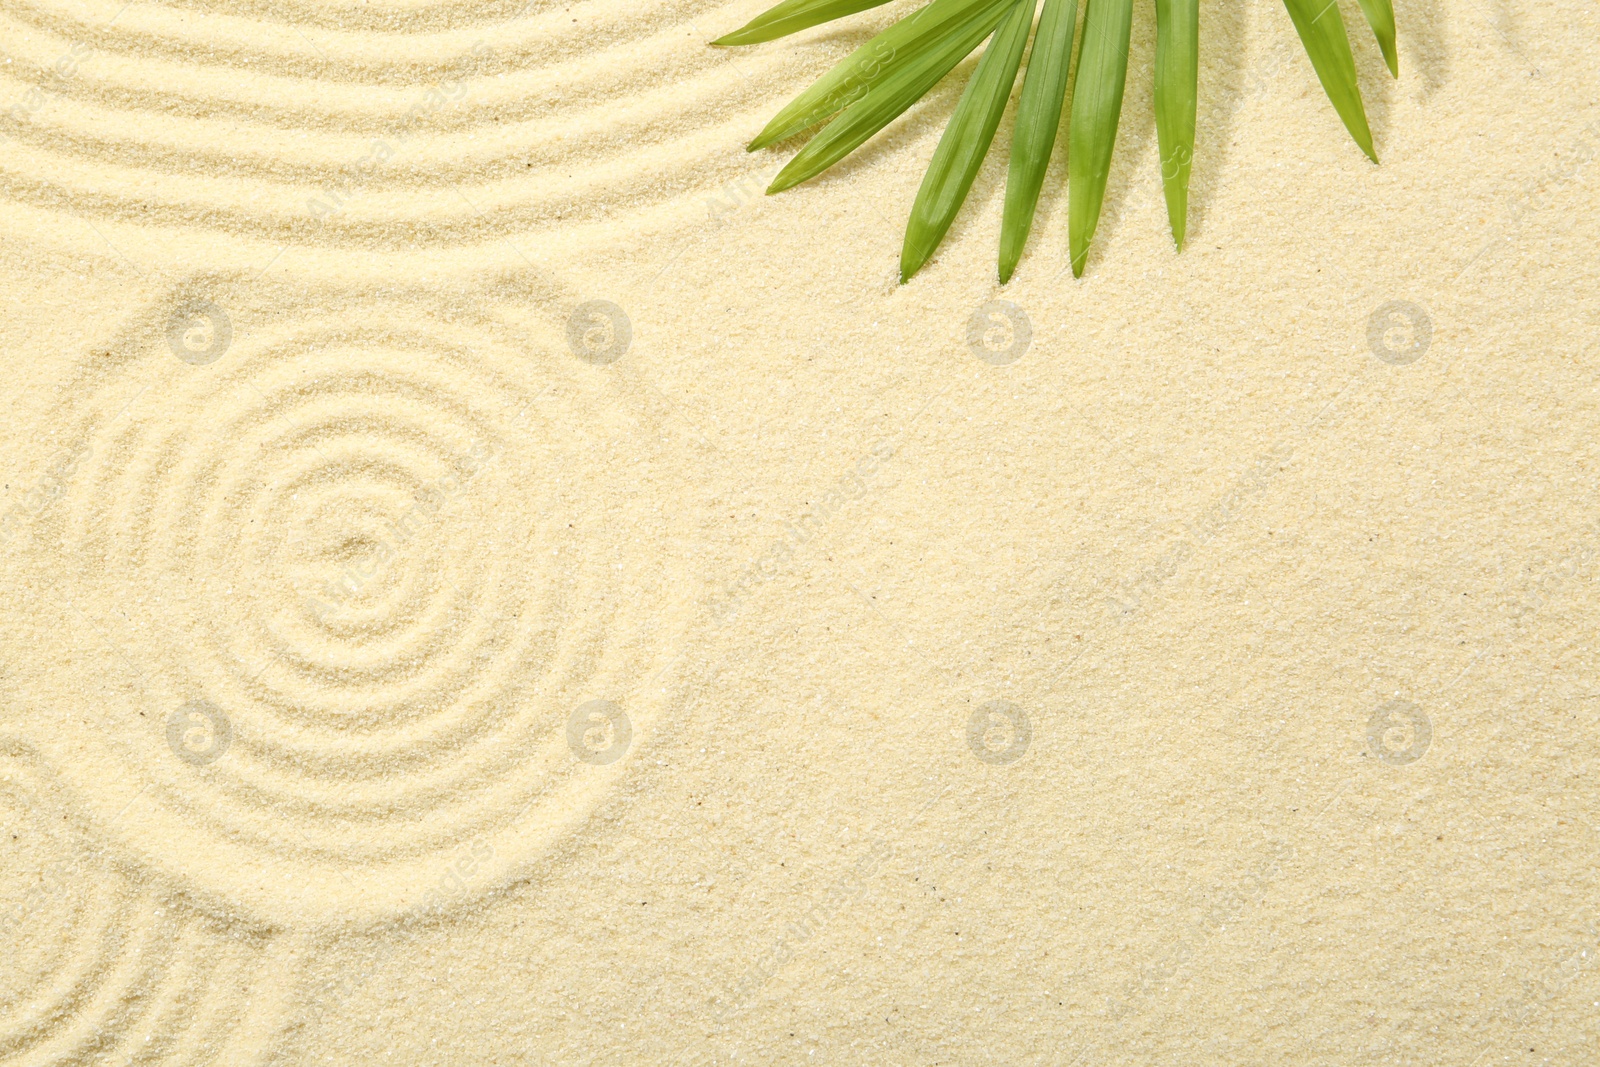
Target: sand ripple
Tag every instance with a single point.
(102, 967)
(385, 127)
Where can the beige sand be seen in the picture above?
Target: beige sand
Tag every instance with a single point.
(485, 586)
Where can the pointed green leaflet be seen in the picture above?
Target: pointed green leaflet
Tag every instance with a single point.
(1380, 16)
(1177, 94)
(1044, 90)
(966, 140)
(1321, 30)
(1096, 106)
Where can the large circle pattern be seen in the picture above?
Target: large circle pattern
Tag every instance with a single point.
(387, 546)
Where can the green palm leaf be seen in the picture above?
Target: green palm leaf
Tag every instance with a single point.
(1096, 106)
(1321, 30)
(966, 140)
(878, 81)
(1177, 97)
(1044, 90)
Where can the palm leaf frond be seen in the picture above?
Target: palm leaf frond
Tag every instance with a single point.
(881, 79)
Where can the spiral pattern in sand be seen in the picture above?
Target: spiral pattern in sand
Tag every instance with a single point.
(355, 569)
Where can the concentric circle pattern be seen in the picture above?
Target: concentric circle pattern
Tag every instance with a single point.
(357, 571)
(375, 126)
(101, 967)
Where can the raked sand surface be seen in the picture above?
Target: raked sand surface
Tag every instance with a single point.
(483, 585)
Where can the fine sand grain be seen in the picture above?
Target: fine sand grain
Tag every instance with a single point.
(484, 585)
